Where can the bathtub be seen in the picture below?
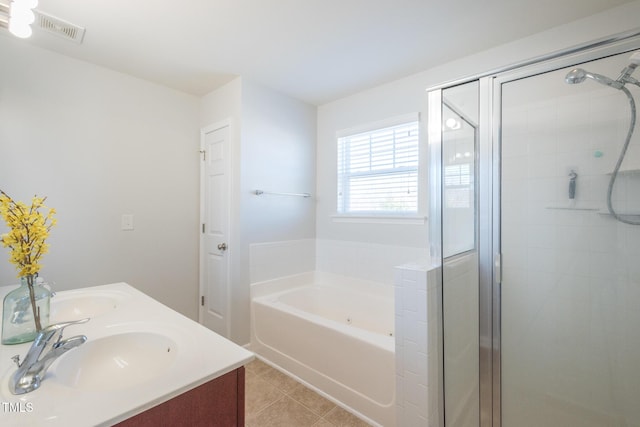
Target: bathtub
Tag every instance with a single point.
(333, 333)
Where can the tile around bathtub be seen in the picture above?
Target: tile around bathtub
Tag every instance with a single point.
(270, 260)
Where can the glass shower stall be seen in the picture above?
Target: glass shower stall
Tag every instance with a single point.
(535, 218)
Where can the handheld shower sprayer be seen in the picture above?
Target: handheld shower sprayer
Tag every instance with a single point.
(578, 75)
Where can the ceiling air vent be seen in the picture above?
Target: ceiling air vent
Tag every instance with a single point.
(59, 27)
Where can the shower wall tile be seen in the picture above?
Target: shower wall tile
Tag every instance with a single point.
(571, 279)
(362, 260)
(417, 337)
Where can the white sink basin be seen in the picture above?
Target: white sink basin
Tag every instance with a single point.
(138, 353)
(116, 362)
(76, 305)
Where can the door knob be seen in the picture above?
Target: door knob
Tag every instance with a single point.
(222, 246)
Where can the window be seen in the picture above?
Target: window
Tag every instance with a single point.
(378, 170)
(458, 182)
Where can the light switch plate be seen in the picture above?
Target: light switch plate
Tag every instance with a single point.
(127, 222)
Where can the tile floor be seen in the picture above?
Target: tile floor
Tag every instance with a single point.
(275, 399)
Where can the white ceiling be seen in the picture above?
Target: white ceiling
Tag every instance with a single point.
(313, 50)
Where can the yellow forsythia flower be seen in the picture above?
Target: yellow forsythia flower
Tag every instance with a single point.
(28, 230)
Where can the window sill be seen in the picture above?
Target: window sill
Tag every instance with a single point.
(381, 219)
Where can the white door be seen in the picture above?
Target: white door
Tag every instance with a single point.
(214, 237)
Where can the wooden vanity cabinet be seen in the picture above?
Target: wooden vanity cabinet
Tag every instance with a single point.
(217, 403)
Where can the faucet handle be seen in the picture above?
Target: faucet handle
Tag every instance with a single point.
(47, 333)
(60, 326)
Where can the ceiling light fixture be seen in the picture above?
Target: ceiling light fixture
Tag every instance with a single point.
(18, 16)
(452, 124)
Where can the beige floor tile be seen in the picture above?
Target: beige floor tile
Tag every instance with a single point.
(341, 418)
(259, 394)
(323, 423)
(275, 399)
(257, 367)
(286, 412)
(312, 400)
(282, 382)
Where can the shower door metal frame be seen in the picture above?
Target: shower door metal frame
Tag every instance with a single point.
(489, 257)
(488, 324)
(489, 215)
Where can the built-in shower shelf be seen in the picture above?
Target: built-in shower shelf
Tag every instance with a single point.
(629, 172)
(632, 216)
(574, 208)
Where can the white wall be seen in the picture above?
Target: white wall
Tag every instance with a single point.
(377, 104)
(408, 95)
(100, 144)
(222, 104)
(274, 151)
(278, 155)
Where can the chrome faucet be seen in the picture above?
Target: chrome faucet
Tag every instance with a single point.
(33, 368)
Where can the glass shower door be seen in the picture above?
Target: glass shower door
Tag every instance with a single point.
(460, 292)
(570, 292)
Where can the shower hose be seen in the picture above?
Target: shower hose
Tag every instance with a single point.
(614, 174)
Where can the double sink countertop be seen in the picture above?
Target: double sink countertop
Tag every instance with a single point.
(139, 353)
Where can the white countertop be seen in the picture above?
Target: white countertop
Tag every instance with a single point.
(200, 355)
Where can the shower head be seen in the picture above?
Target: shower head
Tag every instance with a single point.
(578, 75)
(575, 76)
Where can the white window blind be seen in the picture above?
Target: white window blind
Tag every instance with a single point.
(458, 183)
(378, 170)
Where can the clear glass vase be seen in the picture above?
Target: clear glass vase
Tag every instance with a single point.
(18, 322)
